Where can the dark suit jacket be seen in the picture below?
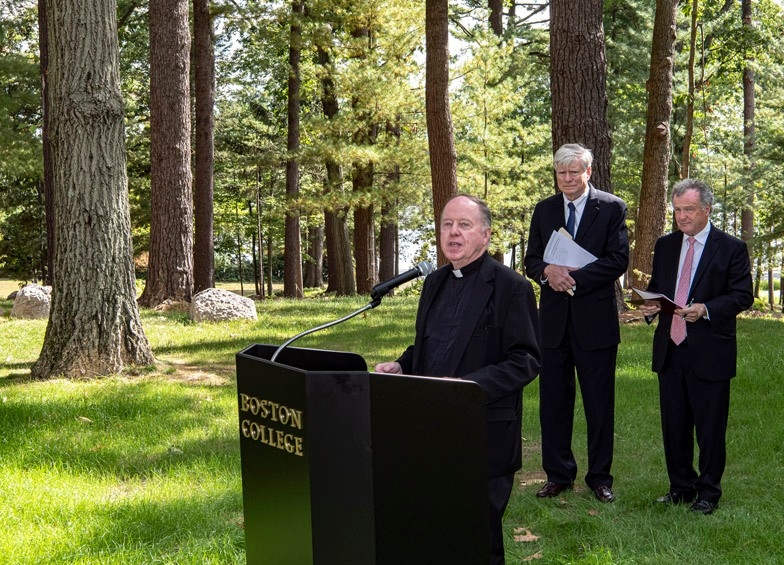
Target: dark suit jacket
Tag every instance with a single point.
(602, 231)
(499, 344)
(723, 283)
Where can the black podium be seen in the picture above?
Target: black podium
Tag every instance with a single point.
(345, 467)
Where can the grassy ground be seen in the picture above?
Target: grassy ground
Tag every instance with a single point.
(144, 469)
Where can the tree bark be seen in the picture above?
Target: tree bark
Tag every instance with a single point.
(94, 325)
(364, 231)
(292, 255)
(170, 268)
(314, 266)
(689, 131)
(339, 265)
(747, 215)
(652, 212)
(204, 62)
(387, 234)
(362, 180)
(440, 133)
(46, 143)
(495, 7)
(578, 71)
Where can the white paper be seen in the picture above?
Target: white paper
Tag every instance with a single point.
(562, 250)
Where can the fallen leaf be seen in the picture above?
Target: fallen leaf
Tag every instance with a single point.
(85, 419)
(593, 512)
(524, 535)
(537, 555)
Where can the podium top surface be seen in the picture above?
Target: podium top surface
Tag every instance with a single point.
(307, 359)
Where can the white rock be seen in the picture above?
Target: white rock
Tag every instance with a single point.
(32, 302)
(216, 305)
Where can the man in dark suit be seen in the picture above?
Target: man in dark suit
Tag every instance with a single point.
(477, 321)
(579, 321)
(708, 274)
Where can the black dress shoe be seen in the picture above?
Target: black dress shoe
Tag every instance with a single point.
(604, 493)
(551, 489)
(677, 497)
(703, 506)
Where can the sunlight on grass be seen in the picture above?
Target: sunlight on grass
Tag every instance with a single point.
(144, 468)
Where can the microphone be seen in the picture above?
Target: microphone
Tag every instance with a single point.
(376, 293)
(421, 270)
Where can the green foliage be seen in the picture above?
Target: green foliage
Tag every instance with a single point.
(500, 159)
(22, 231)
(500, 104)
(628, 26)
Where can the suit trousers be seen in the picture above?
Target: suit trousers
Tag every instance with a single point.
(596, 374)
(499, 490)
(689, 404)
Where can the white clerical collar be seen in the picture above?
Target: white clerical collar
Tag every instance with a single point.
(458, 274)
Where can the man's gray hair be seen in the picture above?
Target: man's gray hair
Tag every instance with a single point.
(706, 194)
(571, 152)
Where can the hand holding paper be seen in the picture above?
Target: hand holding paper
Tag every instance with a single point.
(563, 252)
(667, 305)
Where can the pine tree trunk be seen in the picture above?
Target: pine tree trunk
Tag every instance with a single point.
(387, 233)
(314, 265)
(46, 143)
(440, 133)
(747, 215)
(656, 157)
(339, 265)
(364, 226)
(203, 189)
(341, 277)
(94, 325)
(170, 267)
(689, 129)
(292, 254)
(496, 7)
(578, 70)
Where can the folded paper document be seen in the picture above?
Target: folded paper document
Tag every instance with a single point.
(562, 250)
(667, 305)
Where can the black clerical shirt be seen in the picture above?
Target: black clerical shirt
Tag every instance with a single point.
(443, 322)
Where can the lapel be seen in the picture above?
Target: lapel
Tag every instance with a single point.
(557, 215)
(672, 256)
(590, 211)
(483, 290)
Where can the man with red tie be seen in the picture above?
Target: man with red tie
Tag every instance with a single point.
(708, 274)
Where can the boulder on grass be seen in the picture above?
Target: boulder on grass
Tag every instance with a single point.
(216, 305)
(32, 302)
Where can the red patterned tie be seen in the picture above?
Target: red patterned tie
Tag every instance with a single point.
(678, 327)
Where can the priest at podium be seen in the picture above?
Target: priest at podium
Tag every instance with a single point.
(477, 320)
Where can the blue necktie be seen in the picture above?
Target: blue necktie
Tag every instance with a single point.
(570, 220)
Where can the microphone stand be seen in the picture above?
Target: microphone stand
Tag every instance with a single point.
(376, 300)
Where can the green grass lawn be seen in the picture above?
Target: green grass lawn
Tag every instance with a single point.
(144, 468)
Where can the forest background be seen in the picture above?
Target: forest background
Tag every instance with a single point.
(501, 113)
(344, 150)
